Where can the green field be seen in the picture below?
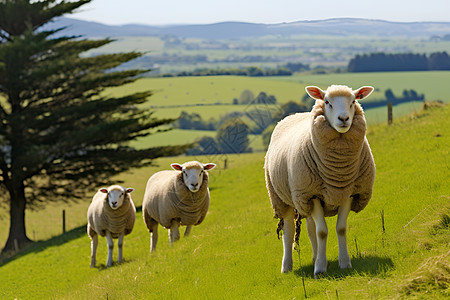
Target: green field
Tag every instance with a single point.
(199, 94)
(235, 253)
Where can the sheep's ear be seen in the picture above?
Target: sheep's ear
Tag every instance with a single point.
(177, 167)
(363, 92)
(129, 190)
(315, 92)
(209, 166)
(103, 190)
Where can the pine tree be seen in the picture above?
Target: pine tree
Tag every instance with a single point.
(60, 136)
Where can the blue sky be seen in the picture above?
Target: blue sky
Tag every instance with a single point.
(167, 12)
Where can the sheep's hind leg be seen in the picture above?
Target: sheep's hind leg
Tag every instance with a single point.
(110, 243)
(94, 244)
(320, 265)
(154, 237)
(174, 233)
(288, 241)
(311, 227)
(187, 231)
(341, 230)
(119, 245)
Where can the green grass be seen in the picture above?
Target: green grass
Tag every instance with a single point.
(175, 94)
(208, 89)
(433, 84)
(235, 253)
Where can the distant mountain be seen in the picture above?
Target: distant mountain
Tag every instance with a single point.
(230, 30)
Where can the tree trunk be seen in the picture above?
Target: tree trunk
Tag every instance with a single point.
(17, 233)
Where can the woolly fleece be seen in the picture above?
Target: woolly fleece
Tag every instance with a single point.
(309, 159)
(101, 217)
(167, 199)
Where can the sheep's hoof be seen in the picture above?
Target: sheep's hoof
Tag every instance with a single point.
(286, 269)
(287, 266)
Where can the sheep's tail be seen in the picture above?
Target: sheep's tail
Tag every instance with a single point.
(298, 224)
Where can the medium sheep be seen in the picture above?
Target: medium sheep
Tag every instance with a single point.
(319, 164)
(111, 214)
(174, 198)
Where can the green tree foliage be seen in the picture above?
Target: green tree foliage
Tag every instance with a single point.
(248, 71)
(232, 137)
(297, 67)
(246, 97)
(382, 62)
(60, 136)
(205, 146)
(263, 98)
(194, 121)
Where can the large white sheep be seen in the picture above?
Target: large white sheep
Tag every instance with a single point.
(319, 164)
(111, 214)
(176, 197)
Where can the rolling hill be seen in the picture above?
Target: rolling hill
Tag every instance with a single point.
(229, 30)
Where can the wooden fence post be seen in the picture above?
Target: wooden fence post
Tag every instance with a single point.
(64, 220)
(389, 113)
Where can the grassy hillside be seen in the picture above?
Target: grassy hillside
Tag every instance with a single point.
(235, 253)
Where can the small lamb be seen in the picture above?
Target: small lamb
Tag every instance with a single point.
(176, 197)
(319, 164)
(111, 214)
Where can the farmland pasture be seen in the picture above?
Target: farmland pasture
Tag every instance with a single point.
(235, 253)
(199, 94)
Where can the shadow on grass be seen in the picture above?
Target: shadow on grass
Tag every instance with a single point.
(365, 265)
(36, 247)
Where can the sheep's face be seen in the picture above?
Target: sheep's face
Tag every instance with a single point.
(339, 112)
(193, 173)
(116, 195)
(339, 104)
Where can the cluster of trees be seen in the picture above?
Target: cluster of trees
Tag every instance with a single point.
(382, 62)
(232, 137)
(60, 136)
(233, 134)
(194, 121)
(407, 95)
(247, 97)
(247, 71)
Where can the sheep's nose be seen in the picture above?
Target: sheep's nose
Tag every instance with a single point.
(194, 184)
(114, 203)
(343, 119)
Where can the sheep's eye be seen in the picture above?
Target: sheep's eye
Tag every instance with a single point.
(326, 102)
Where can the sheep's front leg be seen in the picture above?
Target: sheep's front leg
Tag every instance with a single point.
(174, 233)
(187, 231)
(288, 241)
(320, 265)
(110, 243)
(94, 244)
(341, 230)
(119, 245)
(311, 227)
